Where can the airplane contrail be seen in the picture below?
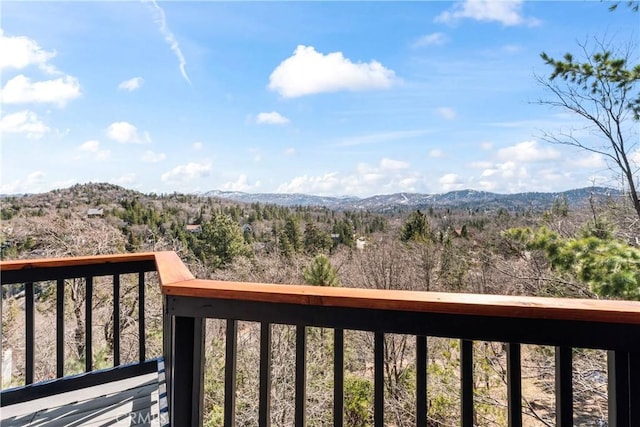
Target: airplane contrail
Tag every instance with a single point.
(170, 39)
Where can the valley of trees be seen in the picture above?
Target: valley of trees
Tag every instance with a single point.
(589, 250)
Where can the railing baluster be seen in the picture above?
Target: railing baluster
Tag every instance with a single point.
(116, 319)
(60, 328)
(141, 327)
(186, 327)
(197, 372)
(623, 388)
(514, 385)
(29, 333)
(34, 277)
(187, 370)
(88, 320)
(378, 379)
(564, 387)
(230, 373)
(301, 375)
(618, 388)
(466, 379)
(634, 389)
(264, 415)
(168, 327)
(421, 381)
(338, 377)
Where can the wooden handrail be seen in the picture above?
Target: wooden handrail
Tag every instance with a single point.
(171, 269)
(169, 266)
(605, 311)
(74, 261)
(177, 280)
(57, 271)
(560, 322)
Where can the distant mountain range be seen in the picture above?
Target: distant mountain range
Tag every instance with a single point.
(465, 199)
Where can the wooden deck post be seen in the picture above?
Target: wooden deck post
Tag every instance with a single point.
(187, 371)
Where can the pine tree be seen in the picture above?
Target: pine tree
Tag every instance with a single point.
(415, 228)
(284, 245)
(610, 267)
(292, 231)
(320, 272)
(315, 240)
(221, 240)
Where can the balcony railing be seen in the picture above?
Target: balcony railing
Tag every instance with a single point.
(33, 275)
(565, 324)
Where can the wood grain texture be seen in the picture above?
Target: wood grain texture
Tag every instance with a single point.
(73, 261)
(171, 269)
(435, 302)
(177, 280)
(169, 266)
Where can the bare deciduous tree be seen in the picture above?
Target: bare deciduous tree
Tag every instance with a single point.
(602, 90)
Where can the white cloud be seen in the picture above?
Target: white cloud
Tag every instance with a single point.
(390, 164)
(325, 184)
(486, 146)
(635, 157)
(487, 185)
(508, 170)
(436, 153)
(290, 152)
(589, 161)
(368, 173)
(528, 151)
(488, 172)
(480, 165)
(35, 176)
(433, 39)
(126, 133)
(20, 90)
(241, 184)
(131, 84)
(31, 184)
(151, 157)
(161, 20)
(93, 147)
(188, 172)
(507, 12)
(20, 52)
(126, 179)
(450, 182)
(197, 146)
(408, 182)
(447, 113)
(309, 72)
(23, 122)
(388, 176)
(90, 146)
(272, 118)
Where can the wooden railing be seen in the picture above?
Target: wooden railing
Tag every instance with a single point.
(32, 276)
(563, 323)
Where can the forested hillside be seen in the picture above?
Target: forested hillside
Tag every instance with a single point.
(589, 250)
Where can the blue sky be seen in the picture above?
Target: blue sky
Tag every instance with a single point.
(328, 98)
